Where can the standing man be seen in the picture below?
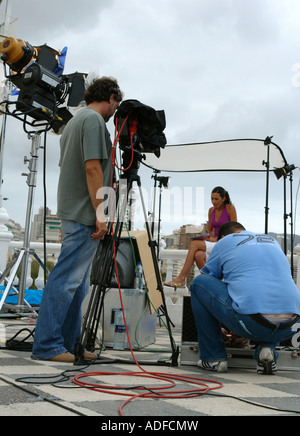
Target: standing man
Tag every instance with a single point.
(247, 287)
(84, 169)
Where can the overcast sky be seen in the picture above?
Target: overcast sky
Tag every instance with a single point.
(220, 69)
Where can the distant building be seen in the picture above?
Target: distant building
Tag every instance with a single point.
(16, 230)
(189, 231)
(172, 241)
(53, 231)
(181, 238)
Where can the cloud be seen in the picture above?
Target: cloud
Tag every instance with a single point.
(40, 20)
(220, 70)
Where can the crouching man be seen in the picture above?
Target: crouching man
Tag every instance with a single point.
(247, 286)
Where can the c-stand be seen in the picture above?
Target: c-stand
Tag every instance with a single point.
(23, 256)
(104, 266)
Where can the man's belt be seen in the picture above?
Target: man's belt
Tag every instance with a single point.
(285, 325)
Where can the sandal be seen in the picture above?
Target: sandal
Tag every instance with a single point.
(176, 284)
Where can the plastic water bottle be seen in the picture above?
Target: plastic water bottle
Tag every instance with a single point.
(119, 337)
(138, 276)
(120, 332)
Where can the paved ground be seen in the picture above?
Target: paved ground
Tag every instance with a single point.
(35, 388)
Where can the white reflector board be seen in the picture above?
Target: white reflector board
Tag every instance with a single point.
(231, 155)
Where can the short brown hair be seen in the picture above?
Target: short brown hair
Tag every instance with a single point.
(101, 89)
(229, 227)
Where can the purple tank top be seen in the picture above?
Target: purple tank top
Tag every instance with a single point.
(224, 218)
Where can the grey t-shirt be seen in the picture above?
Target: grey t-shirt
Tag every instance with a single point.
(85, 137)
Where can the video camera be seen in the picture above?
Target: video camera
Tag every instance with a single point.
(43, 89)
(141, 127)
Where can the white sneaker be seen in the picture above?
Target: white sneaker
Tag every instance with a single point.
(219, 366)
(266, 363)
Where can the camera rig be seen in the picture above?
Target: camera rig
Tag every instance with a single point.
(140, 129)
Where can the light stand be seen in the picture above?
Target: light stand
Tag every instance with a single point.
(284, 172)
(267, 142)
(2, 142)
(23, 256)
(163, 182)
(42, 93)
(292, 223)
(154, 201)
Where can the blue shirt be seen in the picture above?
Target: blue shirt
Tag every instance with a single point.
(257, 273)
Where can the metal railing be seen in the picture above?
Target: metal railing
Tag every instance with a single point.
(172, 261)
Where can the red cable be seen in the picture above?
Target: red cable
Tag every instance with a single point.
(132, 130)
(150, 392)
(202, 388)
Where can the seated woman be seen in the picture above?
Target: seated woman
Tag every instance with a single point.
(221, 212)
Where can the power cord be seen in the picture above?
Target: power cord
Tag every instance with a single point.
(254, 403)
(20, 345)
(46, 399)
(45, 206)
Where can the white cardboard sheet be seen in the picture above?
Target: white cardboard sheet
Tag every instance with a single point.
(232, 155)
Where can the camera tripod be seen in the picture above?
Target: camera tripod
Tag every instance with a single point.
(21, 259)
(104, 266)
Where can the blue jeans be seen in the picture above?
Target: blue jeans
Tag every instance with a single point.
(212, 307)
(59, 320)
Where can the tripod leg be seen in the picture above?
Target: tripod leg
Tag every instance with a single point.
(25, 302)
(104, 262)
(39, 261)
(152, 244)
(7, 270)
(11, 278)
(90, 326)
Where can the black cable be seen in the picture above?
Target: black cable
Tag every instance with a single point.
(13, 344)
(62, 377)
(200, 393)
(296, 201)
(65, 376)
(49, 400)
(45, 204)
(253, 403)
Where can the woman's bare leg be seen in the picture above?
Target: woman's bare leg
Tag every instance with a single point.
(200, 259)
(189, 261)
